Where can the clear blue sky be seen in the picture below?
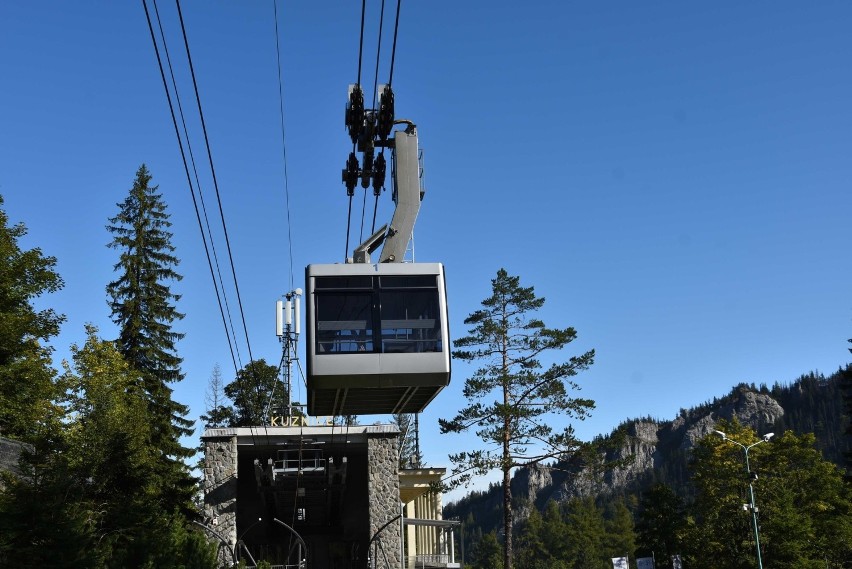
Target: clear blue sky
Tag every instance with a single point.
(674, 177)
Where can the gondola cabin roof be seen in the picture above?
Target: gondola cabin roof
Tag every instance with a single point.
(377, 337)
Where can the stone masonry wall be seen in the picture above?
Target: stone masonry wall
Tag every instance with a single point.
(220, 487)
(383, 489)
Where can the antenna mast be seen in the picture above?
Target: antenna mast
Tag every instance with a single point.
(288, 317)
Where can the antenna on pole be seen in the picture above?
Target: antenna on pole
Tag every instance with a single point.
(288, 316)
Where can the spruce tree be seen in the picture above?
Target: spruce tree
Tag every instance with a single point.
(143, 307)
(514, 402)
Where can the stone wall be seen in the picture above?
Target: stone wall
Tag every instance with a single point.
(220, 487)
(383, 489)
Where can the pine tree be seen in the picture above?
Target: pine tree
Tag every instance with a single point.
(26, 376)
(620, 532)
(586, 535)
(143, 307)
(486, 553)
(518, 426)
(554, 533)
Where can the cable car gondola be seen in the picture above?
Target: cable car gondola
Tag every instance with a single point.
(378, 338)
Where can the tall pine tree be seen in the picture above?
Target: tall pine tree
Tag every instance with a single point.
(143, 306)
(515, 402)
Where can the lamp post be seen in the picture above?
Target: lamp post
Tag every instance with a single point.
(752, 506)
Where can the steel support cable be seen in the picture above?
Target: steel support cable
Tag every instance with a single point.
(221, 282)
(363, 212)
(183, 154)
(375, 98)
(354, 142)
(393, 49)
(218, 195)
(348, 224)
(185, 166)
(361, 41)
(283, 143)
(378, 54)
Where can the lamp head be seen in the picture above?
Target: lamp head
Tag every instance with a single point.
(768, 436)
(721, 434)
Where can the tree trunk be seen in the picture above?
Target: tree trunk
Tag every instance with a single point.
(507, 517)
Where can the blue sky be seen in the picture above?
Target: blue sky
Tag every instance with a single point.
(673, 177)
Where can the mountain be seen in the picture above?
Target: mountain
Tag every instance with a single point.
(646, 451)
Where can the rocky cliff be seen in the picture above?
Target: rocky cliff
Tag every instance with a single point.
(647, 450)
(643, 448)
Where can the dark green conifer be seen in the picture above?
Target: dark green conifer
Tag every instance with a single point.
(143, 307)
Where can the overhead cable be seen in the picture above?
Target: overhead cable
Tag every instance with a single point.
(186, 167)
(283, 142)
(215, 185)
(229, 324)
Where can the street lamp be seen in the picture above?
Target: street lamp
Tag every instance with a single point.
(753, 508)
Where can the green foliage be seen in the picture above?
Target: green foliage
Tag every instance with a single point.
(143, 307)
(541, 541)
(576, 534)
(804, 506)
(487, 553)
(661, 522)
(109, 453)
(250, 391)
(586, 535)
(669, 517)
(26, 378)
(518, 426)
(620, 532)
(42, 523)
(91, 495)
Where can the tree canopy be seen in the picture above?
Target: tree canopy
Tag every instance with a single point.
(26, 376)
(519, 426)
(143, 307)
(256, 392)
(804, 507)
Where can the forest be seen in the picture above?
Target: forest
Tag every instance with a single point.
(103, 479)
